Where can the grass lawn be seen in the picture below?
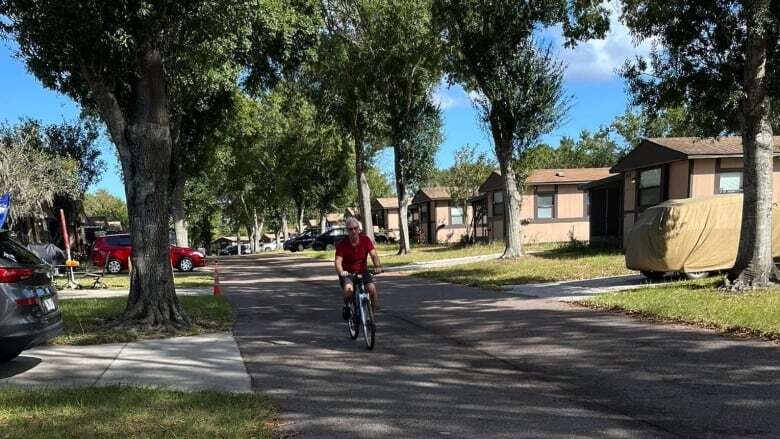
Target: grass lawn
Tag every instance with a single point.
(88, 321)
(700, 303)
(121, 281)
(562, 263)
(127, 412)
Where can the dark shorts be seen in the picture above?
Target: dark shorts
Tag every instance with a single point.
(367, 279)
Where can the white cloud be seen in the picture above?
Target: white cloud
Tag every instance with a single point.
(446, 96)
(599, 60)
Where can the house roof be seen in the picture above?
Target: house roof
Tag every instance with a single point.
(549, 176)
(566, 176)
(334, 217)
(231, 238)
(612, 180)
(660, 150)
(431, 194)
(387, 202)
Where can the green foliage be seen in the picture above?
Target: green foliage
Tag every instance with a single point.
(591, 150)
(468, 172)
(699, 65)
(32, 172)
(632, 126)
(102, 203)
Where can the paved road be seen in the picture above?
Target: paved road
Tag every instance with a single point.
(454, 361)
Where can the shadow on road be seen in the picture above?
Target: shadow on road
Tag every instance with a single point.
(454, 360)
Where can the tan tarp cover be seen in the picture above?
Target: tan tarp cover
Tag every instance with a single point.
(691, 235)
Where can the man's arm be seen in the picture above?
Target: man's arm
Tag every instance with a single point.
(339, 268)
(375, 260)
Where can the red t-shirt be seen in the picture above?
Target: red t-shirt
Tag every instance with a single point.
(354, 258)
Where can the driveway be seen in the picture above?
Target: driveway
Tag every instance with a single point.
(462, 362)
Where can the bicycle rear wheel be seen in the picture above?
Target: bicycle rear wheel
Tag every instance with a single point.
(353, 324)
(369, 329)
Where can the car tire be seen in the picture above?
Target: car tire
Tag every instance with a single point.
(300, 247)
(8, 356)
(185, 264)
(696, 275)
(114, 266)
(330, 247)
(653, 275)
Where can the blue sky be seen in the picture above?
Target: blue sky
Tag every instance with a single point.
(598, 96)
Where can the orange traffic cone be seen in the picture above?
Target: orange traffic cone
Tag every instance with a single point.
(217, 288)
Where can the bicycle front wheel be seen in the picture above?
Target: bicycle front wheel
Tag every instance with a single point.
(353, 324)
(369, 329)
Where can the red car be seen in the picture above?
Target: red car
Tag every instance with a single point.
(113, 252)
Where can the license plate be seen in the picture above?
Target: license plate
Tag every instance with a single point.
(48, 304)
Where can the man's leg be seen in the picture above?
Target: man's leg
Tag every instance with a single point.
(374, 295)
(347, 289)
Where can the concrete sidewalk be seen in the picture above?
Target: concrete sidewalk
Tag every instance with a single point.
(437, 263)
(210, 361)
(568, 291)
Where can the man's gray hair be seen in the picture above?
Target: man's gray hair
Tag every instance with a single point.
(352, 221)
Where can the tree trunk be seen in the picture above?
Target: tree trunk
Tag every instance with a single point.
(403, 222)
(754, 266)
(364, 191)
(467, 221)
(300, 215)
(250, 231)
(513, 236)
(285, 231)
(145, 152)
(177, 211)
(258, 231)
(323, 223)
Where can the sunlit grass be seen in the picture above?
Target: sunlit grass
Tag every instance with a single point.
(127, 412)
(701, 303)
(562, 263)
(121, 281)
(90, 321)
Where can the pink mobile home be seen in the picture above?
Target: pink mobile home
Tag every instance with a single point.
(660, 169)
(554, 208)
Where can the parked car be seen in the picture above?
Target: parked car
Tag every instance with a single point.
(330, 239)
(233, 250)
(302, 241)
(113, 252)
(29, 307)
(269, 246)
(383, 238)
(694, 237)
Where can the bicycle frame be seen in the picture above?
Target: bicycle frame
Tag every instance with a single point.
(364, 314)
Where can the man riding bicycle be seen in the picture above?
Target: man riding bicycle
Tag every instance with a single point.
(352, 257)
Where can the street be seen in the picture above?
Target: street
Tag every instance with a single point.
(454, 361)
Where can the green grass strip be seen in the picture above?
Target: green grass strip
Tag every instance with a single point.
(126, 412)
(89, 321)
(701, 303)
(561, 264)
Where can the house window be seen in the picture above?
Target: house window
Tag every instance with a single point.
(545, 205)
(424, 213)
(649, 187)
(587, 203)
(729, 182)
(456, 216)
(498, 204)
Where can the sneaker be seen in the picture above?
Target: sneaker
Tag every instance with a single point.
(345, 313)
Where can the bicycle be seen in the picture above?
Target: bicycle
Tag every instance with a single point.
(361, 313)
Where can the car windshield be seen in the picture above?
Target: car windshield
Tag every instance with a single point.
(12, 253)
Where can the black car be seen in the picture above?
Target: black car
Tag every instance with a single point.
(233, 250)
(29, 307)
(383, 238)
(302, 241)
(329, 239)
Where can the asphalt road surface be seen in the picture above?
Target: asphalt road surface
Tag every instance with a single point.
(454, 361)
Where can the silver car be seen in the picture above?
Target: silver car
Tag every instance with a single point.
(29, 307)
